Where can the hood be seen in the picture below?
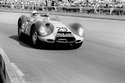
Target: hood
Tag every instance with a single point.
(58, 25)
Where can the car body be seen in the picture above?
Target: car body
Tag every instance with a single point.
(50, 30)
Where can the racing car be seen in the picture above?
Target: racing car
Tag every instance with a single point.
(41, 28)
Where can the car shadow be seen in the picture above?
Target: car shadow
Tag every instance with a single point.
(26, 43)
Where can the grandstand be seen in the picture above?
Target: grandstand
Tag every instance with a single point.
(116, 7)
(56, 1)
(67, 3)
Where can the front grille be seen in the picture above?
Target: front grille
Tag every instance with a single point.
(65, 39)
(64, 34)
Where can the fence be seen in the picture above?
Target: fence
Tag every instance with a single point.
(87, 10)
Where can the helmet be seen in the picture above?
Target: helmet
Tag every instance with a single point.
(34, 13)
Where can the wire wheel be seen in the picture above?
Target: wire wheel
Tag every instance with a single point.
(20, 29)
(34, 38)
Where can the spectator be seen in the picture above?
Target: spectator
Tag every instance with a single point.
(111, 9)
(12, 6)
(53, 3)
(22, 6)
(96, 7)
(46, 3)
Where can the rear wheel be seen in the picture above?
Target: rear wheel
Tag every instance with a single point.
(20, 30)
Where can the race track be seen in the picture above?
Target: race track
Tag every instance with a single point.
(101, 58)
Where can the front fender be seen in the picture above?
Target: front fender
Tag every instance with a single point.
(77, 29)
(37, 25)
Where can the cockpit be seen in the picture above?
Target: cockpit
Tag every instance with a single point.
(44, 15)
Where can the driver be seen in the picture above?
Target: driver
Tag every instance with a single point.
(34, 14)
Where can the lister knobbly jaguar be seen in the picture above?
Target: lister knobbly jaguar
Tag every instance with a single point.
(41, 28)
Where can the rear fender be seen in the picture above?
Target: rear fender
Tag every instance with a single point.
(24, 18)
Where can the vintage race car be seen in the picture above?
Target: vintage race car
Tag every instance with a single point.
(42, 29)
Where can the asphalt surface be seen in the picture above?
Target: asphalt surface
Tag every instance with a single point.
(101, 58)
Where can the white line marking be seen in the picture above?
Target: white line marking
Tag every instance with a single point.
(15, 74)
(17, 70)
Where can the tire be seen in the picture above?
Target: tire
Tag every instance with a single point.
(34, 38)
(78, 45)
(20, 33)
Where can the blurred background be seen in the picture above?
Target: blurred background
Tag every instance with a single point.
(74, 3)
(107, 7)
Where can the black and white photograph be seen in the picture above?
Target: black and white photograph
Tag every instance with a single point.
(62, 41)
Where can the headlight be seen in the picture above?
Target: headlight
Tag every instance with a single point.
(43, 31)
(81, 32)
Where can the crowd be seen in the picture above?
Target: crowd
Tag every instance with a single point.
(77, 4)
(69, 3)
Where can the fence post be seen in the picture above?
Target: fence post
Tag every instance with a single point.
(23, 7)
(12, 6)
(32, 7)
(55, 8)
(111, 10)
(43, 8)
(95, 9)
(80, 8)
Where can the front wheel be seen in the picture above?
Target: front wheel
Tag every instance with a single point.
(34, 38)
